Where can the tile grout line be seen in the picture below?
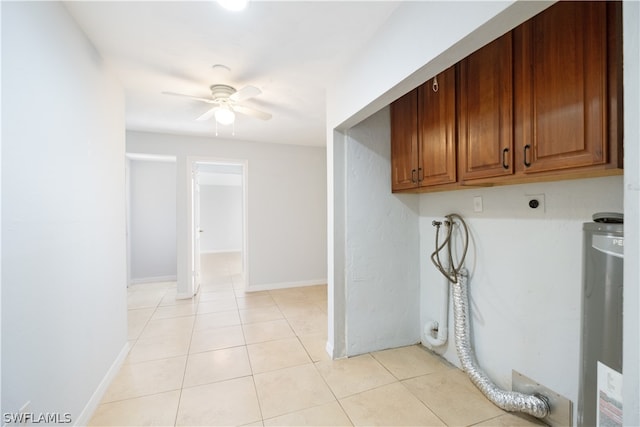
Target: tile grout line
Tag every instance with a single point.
(315, 365)
(155, 308)
(246, 349)
(186, 362)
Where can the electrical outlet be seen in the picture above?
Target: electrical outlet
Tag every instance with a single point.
(535, 203)
(561, 413)
(477, 204)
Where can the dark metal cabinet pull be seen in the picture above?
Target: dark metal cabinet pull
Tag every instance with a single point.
(527, 148)
(504, 158)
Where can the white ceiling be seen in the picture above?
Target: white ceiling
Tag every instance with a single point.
(291, 50)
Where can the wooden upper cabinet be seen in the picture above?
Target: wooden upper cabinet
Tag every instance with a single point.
(436, 130)
(543, 102)
(562, 93)
(404, 142)
(485, 111)
(423, 144)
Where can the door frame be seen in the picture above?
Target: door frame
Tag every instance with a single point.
(196, 274)
(192, 164)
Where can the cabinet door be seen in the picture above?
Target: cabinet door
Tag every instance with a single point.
(436, 134)
(561, 87)
(404, 142)
(485, 113)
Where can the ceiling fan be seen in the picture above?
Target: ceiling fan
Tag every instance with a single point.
(225, 100)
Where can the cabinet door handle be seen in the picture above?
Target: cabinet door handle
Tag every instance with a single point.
(527, 148)
(420, 175)
(413, 176)
(504, 158)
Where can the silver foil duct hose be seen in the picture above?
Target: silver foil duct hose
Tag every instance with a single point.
(534, 405)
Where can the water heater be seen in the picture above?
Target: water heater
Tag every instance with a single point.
(600, 392)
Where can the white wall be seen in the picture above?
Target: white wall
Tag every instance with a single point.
(525, 284)
(382, 246)
(221, 218)
(336, 243)
(286, 206)
(1, 406)
(631, 339)
(63, 219)
(418, 41)
(407, 52)
(152, 221)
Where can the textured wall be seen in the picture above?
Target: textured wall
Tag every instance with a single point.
(382, 255)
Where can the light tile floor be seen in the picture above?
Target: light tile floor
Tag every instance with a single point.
(232, 358)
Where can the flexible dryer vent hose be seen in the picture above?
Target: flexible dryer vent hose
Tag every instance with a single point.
(508, 400)
(535, 405)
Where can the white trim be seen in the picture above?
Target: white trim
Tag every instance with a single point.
(329, 349)
(93, 403)
(153, 280)
(222, 251)
(151, 157)
(245, 221)
(127, 190)
(284, 285)
(183, 295)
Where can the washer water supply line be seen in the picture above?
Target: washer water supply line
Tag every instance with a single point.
(456, 274)
(441, 327)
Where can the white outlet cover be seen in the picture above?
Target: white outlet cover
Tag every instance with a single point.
(477, 204)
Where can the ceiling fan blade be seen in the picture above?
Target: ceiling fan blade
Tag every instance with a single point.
(207, 115)
(207, 100)
(251, 112)
(245, 93)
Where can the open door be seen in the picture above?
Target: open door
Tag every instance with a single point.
(218, 215)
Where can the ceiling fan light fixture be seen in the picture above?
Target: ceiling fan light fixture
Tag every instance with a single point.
(225, 116)
(233, 5)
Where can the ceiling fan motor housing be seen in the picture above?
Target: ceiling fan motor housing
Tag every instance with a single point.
(222, 91)
(225, 97)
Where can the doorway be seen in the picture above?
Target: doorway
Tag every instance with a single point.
(218, 216)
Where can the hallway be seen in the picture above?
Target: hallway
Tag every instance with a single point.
(230, 358)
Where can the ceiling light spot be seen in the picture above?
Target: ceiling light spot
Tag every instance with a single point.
(233, 5)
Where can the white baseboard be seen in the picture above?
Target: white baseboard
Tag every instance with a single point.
(181, 295)
(91, 406)
(284, 285)
(157, 279)
(329, 349)
(221, 251)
